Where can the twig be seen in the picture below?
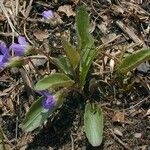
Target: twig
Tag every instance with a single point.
(120, 141)
(7, 34)
(72, 142)
(139, 103)
(26, 35)
(37, 57)
(105, 45)
(17, 7)
(28, 9)
(7, 16)
(27, 81)
(16, 131)
(130, 33)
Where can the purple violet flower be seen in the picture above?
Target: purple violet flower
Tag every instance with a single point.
(48, 14)
(49, 100)
(4, 55)
(20, 49)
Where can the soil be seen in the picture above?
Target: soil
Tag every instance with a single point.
(124, 26)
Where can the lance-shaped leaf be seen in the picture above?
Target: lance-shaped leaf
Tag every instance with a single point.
(37, 115)
(85, 40)
(86, 61)
(71, 53)
(63, 64)
(93, 121)
(55, 80)
(133, 60)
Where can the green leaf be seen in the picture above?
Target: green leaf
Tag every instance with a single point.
(86, 44)
(71, 53)
(85, 40)
(54, 81)
(63, 64)
(133, 60)
(35, 117)
(15, 62)
(93, 121)
(86, 62)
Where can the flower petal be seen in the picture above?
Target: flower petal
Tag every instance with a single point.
(49, 102)
(44, 93)
(3, 48)
(5, 58)
(22, 40)
(48, 14)
(18, 49)
(2, 61)
(1, 58)
(4, 55)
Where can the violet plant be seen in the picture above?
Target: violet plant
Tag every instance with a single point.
(72, 76)
(73, 70)
(6, 60)
(20, 49)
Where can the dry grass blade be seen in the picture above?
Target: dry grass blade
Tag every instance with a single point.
(130, 33)
(8, 18)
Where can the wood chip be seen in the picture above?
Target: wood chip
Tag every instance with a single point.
(10, 105)
(147, 113)
(119, 117)
(41, 35)
(118, 132)
(67, 9)
(138, 135)
(129, 32)
(112, 64)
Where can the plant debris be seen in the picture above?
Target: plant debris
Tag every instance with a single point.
(118, 27)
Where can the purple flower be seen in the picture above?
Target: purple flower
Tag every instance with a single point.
(4, 55)
(49, 100)
(48, 14)
(20, 48)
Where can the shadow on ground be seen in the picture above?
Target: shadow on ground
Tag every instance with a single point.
(57, 132)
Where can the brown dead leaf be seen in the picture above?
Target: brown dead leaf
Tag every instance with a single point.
(10, 105)
(26, 107)
(67, 9)
(117, 9)
(41, 35)
(57, 19)
(119, 117)
(2, 17)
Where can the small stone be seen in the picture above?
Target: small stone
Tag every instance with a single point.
(118, 103)
(118, 132)
(137, 135)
